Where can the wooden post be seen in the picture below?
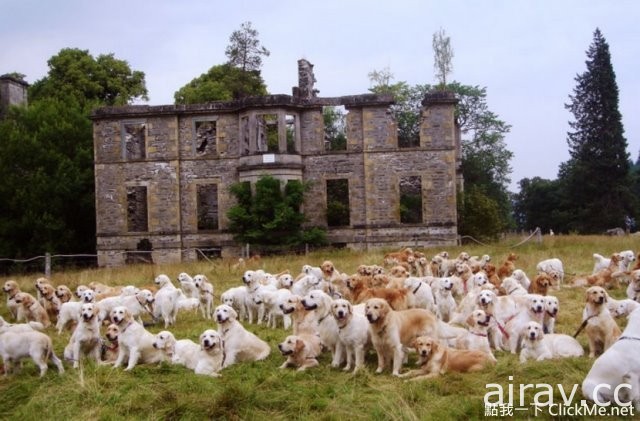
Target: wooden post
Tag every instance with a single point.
(47, 265)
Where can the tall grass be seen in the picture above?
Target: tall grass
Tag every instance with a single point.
(260, 390)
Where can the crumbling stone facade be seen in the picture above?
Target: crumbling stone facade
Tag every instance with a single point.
(163, 172)
(13, 91)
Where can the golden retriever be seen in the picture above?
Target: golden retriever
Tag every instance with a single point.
(30, 309)
(182, 352)
(135, 342)
(353, 335)
(17, 345)
(301, 351)
(538, 346)
(607, 277)
(11, 288)
(600, 326)
(398, 298)
(210, 357)
(303, 320)
(477, 338)
(64, 293)
(508, 266)
(540, 284)
(436, 358)
(239, 344)
(391, 330)
(85, 340)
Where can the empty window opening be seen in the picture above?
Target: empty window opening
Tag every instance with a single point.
(207, 204)
(338, 203)
(137, 220)
(335, 128)
(244, 136)
(411, 199)
(142, 254)
(408, 124)
(206, 137)
(267, 133)
(134, 139)
(290, 121)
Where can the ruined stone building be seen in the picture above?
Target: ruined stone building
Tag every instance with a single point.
(163, 172)
(13, 91)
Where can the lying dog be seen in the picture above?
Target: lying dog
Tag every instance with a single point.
(301, 351)
(183, 352)
(539, 346)
(477, 338)
(436, 359)
(239, 344)
(135, 342)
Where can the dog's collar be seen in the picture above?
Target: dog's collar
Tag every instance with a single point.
(418, 287)
(126, 327)
(584, 323)
(513, 290)
(320, 320)
(484, 335)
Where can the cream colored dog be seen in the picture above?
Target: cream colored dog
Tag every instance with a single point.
(17, 345)
(30, 309)
(182, 352)
(353, 335)
(537, 345)
(11, 288)
(391, 330)
(210, 357)
(239, 344)
(135, 342)
(301, 351)
(85, 340)
(477, 338)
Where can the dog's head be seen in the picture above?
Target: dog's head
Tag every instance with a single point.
(145, 296)
(519, 275)
(184, 277)
(112, 333)
(162, 280)
(23, 298)
(88, 296)
(542, 282)
(446, 284)
(291, 345)
(88, 311)
(314, 299)
(40, 282)
(48, 291)
(533, 331)
(63, 293)
(512, 257)
(11, 287)
(354, 281)
(478, 318)
(399, 272)
(290, 304)
(224, 313)
(80, 289)
(285, 280)
(551, 305)
(536, 303)
(327, 268)
(199, 280)
(463, 257)
(485, 298)
(425, 346)
(596, 296)
(164, 340)
(341, 309)
(119, 314)
(480, 279)
(376, 309)
(211, 341)
(635, 279)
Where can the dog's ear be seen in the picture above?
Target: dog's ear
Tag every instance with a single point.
(299, 345)
(233, 313)
(587, 294)
(471, 320)
(606, 297)
(349, 308)
(200, 341)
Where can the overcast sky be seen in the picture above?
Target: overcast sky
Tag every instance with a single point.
(526, 53)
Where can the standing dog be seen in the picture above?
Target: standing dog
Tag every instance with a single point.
(85, 340)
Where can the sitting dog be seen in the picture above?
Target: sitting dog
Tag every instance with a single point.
(353, 335)
(301, 351)
(239, 344)
(85, 340)
(183, 352)
(436, 359)
(600, 327)
(11, 288)
(477, 338)
(135, 342)
(539, 346)
(30, 309)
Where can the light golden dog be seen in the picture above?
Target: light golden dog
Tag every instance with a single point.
(11, 288)
(30, 309)
(398, 298)
(600, 327)
(17, 345)
(64, 293)
(477, 338)
(85, 340)
(538, 346)
(508, 266)
(301, 351)
(436, 359)
(353, 335)
(239, 344)
(302, 319)
(391, 330)
(182, 352)
(210, 357)
(135, 342)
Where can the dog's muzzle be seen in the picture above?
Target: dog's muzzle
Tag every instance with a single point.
(371, 318)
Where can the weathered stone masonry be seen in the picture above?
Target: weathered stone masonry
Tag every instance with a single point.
(182, 156)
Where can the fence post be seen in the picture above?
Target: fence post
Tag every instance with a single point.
(539, 235)
(47, 265)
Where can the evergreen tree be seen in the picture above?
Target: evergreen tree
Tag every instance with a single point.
(597, 177)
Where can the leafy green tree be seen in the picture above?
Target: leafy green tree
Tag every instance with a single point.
(223, 82)
(244, 49)
(104, 80)
(335, 125)
(481, 214)
(597, 176)
(271, 216)
(47, 193)
(539, 204)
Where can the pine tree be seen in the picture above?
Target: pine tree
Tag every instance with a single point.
(598, 174)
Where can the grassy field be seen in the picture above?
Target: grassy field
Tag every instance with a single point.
(260, 390)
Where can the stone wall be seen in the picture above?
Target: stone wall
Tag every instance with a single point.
(173, 166)
(12, 92)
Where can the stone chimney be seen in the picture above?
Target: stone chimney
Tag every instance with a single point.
(306, 79)
(13, 91)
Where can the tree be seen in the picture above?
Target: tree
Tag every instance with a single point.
(271, 217)
(597, 175)
(442, 56)
(223, 82)
(244, 50)
(47, 195)
(105, 80)
(335, 134)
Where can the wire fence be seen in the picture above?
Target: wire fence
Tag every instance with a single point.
(45, 263)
